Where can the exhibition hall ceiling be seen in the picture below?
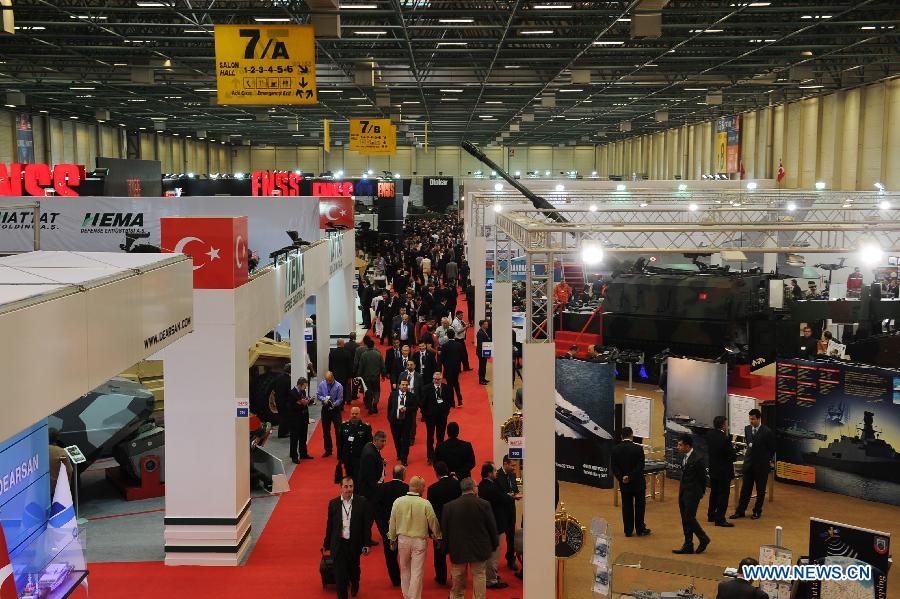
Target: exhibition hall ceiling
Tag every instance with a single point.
(470, 70)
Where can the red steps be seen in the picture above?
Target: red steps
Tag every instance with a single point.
(566, 339)
(573, 274)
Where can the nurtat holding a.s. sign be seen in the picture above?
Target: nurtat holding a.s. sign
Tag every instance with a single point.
(373, 136)
(266, 64)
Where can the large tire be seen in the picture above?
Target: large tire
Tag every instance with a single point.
(262, 398)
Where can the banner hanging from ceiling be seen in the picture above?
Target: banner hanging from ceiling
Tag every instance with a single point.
(24, 138)
(374, 137)
(265, 64)
(728, 144)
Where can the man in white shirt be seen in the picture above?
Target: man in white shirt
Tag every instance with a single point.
(459, 326)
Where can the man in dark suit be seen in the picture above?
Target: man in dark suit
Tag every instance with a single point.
(504, 508)
(348, 533)
(482, 337)
(470, 538)
(398, 366)
(371, 466)
(416, 387)
(391, 355)
(385, 496)
(452, 358)
(406, 330)
(628, 468)
(693, 486)
(445, 490)
(435, 402)
(456, 453)
(296, 418)
(506, 480)
(384, 313)
(353, 436)
(755, 470)
(721, 471)
(282, 388)
(740, 587)
(425, 361)
(401, 416)
(340, 363)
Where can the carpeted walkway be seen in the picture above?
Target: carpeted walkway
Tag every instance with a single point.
(285, 562)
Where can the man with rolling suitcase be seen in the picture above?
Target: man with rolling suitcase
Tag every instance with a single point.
(348, 534)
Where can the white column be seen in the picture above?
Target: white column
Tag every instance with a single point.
(323, 328)
(207, 518)
(539, 414)
(297, 325)
(350, 273)
(340, 295)
(501, 377)
(477, 259)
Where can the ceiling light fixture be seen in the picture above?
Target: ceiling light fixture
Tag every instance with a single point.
(272, 19)
(536, 32)
(370, 32)
(451, 91)
(456, 20)
(551, 6)
(608, 43)
(452, 44)
(358, 6)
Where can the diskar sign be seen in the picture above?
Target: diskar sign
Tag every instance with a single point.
(294, 280)
(31, 179)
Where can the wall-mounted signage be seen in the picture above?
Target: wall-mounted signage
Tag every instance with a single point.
(217, 245)
(274, 64)
(34, 179)
(336, 212)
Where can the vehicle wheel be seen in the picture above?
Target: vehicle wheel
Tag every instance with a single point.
(262, 398)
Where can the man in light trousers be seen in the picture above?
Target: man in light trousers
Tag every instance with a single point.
(470, 537)
(412, 523)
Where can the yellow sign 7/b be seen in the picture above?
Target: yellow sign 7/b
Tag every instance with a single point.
(265, 65)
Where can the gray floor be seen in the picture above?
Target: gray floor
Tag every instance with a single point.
(132, 531)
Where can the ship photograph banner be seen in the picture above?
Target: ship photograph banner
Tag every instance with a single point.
(838, 428)
(585, 413)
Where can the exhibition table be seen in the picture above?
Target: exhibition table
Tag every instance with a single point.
(655, 476)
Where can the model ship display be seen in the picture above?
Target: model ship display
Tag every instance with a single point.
(864, 454)
(577, 420)
(798, 432)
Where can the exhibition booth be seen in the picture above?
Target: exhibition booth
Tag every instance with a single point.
(70, 321)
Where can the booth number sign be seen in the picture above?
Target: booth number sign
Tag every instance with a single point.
(266, 64)
(373, 136)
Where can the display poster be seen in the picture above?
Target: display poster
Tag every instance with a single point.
(637, 415)
(24, 138)
(838, 428)
(728, 144)
(24, 486)
(585, 394)
(696, 391)
(437, 193)
(374, 137)
(773, 555)
(101, 224)
(841, 544)
(265, 64)
(739, 407)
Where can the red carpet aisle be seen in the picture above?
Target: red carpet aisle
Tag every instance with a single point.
(285, 561)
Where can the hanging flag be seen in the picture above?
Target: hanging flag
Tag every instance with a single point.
(63, 524)
(743, 172)
(7, 580)
(426, 137)
(327, 135)
(781, 172)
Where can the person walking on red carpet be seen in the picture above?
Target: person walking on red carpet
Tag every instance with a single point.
(453, 355)
(401, 416)
(385, 496)
(445, 490)
(504, 508)
(412, 522)
(456, 453)
(436, 401)
(348, 533)
(470, 538)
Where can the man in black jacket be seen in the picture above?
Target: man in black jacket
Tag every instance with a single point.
(340, 363)
(385, 496)
(353, 513)
(482, 337)
(457, 454)
(392, 355)
(693, 486)
(296, 419)
(282, 389)
(504, 508)
(402, 417)
(470, 538)
(721, 471)
(371, 466)
(740, 587)
(435, 402)
(628, 468)
(452, 358)
(506, 480)
(425, 362)
(365, 302)
(445, 490)
(760, 453)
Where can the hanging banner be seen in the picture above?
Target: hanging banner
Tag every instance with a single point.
(24, 138)
(265, 64)
(376, 137)
(326, 135)
(336, 212)
(728, 144)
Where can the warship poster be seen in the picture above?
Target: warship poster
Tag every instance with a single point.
(838, 428)
(585, 408)
(845, 545)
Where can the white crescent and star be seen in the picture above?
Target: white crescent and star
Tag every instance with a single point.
(238, 251)
(213, 253)
(328, 212)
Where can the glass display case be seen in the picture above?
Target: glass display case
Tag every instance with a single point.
(640, 575)
(50, 565)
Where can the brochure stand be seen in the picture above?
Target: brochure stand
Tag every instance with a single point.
(600, 559)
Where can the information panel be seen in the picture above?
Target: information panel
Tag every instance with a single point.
(739, 407)
(637, 415)
(266, 65)
(373, 136)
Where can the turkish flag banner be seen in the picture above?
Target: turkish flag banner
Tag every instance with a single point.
(336, 212)
(218, 246)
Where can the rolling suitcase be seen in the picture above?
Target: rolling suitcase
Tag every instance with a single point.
(326, 569)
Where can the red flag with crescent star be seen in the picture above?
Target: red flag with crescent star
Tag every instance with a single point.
(217, 245)
(7, 580)
(336, 212)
